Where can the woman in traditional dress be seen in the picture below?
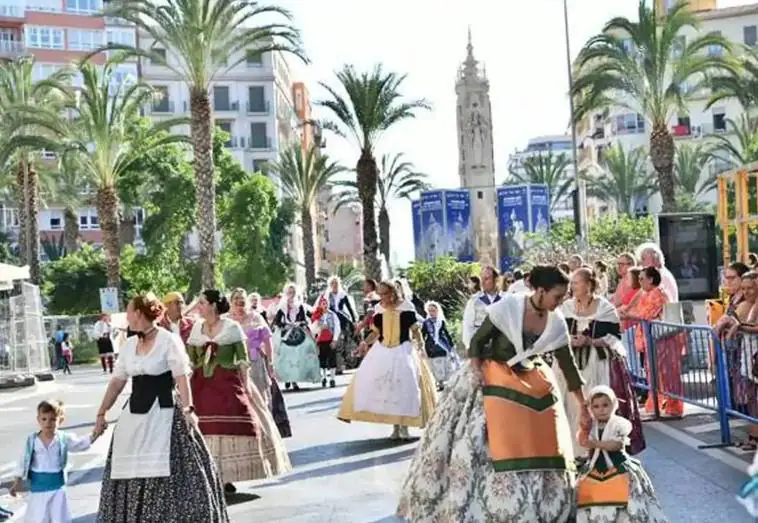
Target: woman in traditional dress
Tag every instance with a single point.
(392, 385)
(439, 345)
(499, 447)
(158, 468)
(255, 330)
(256, 305)
(596, 342)
(102, 331)
(220, 386)
(408, 299)
(615, 488)
(295, 352)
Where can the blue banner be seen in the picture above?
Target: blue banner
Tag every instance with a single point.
(513, 223)
(458, 225)
(539, 208)
(416, 218)
(433, 237)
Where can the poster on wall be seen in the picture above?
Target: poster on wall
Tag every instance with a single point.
(539, 208)
(458, 225)
(433, 238)
(416, 219)
(513, 223)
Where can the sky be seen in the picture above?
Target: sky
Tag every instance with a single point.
(523, 49)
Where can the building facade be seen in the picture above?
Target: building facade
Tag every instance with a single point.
(556, 145)
(476, 162)
(57, 33)
(694, 124)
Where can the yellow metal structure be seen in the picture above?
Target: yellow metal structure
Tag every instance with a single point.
(740, 179)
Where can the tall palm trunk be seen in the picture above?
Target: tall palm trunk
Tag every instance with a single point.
(27, 186)
(70, 230)
(127, 229)
(309, 250)
(384, 234)
(662, 156)
(205, 190)
(107, 212)
(33, 224)
(21, 212)
(367, 174)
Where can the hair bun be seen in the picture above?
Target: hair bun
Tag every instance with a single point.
(222, 306)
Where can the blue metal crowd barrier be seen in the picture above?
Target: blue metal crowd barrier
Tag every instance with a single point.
(695, 366)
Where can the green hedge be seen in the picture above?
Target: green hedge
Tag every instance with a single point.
(86, 352)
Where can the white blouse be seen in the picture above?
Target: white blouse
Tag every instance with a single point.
(168, 354)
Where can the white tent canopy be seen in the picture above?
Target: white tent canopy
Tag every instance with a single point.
(11, 273)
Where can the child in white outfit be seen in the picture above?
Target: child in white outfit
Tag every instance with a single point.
(43, 466)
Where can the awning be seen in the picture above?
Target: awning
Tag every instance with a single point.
(10, 273)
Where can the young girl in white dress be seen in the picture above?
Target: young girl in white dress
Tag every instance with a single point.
(43, 466)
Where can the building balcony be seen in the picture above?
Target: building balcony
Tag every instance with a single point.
(114, 20)
(709, 128)
(682, 131)
(13, 11)
(226, 107)
(258, 143)
(257, 108)
(11, 49)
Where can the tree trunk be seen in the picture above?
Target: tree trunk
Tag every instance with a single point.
(21, 213)
(309, 252)
(70, 230)
(28, 198)
(384, 234)
(367, 173)
(205, 189)
(127, 229)
(662, 157)
(107, 213)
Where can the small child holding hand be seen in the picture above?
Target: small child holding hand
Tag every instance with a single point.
(43, 464)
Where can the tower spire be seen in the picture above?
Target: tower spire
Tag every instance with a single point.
(469, 46)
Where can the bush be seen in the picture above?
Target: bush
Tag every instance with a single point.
(445, 281)
(86, 352)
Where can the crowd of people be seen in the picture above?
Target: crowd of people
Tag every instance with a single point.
(545, 352)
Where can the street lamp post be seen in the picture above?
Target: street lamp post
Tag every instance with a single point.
(579, 199)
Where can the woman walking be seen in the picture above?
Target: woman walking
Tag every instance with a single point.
(498, 447)
(103, 333)
(392, 385)
(595, 332)
(220, 386)
(295, 352)
(158, 460)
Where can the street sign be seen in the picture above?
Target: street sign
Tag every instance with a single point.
(109, 300)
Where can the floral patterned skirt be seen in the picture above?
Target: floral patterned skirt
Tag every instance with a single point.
(643, 506)
(452, 480)
(160, 500)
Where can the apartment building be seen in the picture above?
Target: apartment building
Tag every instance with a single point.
(57, 33)
(556, 145)
(252, 101)
(340, 234)
(692, 125)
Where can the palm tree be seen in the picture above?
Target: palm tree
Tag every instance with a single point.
(547, 168)
(739, 150)
(70, 187)
(204, 39)
(372, 105)
(19, 91)
(397, 179)
(100, 131)
(689, 163)
(655, 76)
(622, 178)
(302, 177)
(740, 83)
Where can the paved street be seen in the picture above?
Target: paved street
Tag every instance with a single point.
(351, 473)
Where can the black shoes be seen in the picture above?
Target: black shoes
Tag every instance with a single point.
(323, 382)
(332, 384)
